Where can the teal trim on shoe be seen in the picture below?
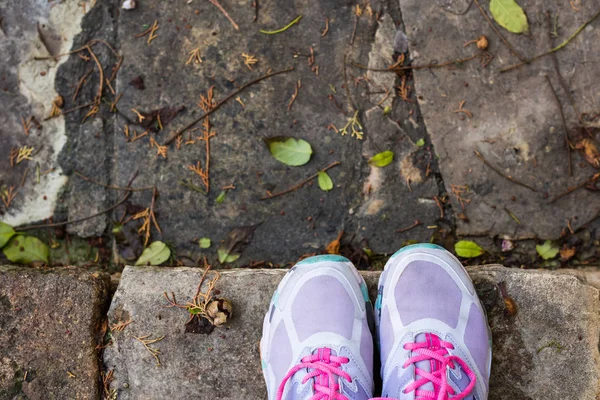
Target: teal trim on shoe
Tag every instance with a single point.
(275, 298)
(263, 364)
(365, 292)
(324, 257)
(378, 302)
(418, 246)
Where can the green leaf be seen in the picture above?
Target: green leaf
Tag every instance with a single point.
(6, 232)
(204, 243)
(509, 15)
(467, 249)
(225, 257)
(420, 142)
(387, 110)
(25, 250)
(221, 197)
(547, 250)
(289, 151)
(382, 159)
(155, 254)
(325, 182)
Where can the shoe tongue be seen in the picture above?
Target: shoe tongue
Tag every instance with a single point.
(428, 365)
(324, 354)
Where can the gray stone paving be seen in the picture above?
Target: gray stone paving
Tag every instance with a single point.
(49, 325)
(226, 363)
(515, 123)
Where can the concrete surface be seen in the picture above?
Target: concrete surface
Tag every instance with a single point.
(548, 349)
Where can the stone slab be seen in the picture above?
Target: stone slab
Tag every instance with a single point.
(49, 322)
(300, 222)
(516, 124)
(552, 308)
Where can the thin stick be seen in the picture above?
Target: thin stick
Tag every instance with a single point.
(507, 177)
(71, 110)
(285, 28)
(347, 87)
(555, 49)
(99, 96)
(74, 221)
(220, 103)
(81, 82)
(216, 3)
(326, 27)
(408, 228)
(561, 80)
(407, 67)
(129, 189)
(299, 185)
(562, 116)
(354, 29)
(574, 188)
(512, 50)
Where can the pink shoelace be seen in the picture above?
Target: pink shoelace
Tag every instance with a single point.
(435, 351)
(325, 368)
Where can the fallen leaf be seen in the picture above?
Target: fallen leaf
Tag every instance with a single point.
(290, 151)
(167, 114)
(221, 197)
(589, 148)
(509, 15)
(420, 142)
(234, 243)
(204, 243)
(467, 249)
(138, 83)
(25, 250)
(566, 253)
(382, 159)
(334, 246)
(6, 232)
(325, 182)
(155, 254)
(547, 250)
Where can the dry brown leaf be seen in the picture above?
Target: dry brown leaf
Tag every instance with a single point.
(566, 253)
(590, 151)
(334, 246)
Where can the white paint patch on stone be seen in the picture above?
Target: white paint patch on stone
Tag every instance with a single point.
(65, 20)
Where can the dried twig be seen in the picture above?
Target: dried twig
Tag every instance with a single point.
(147, 341)
(299, 185)
(220, 7)
(555, 49)
(220, 103)
(326, 27)
(396, 67)
(129, 189)
(408, 228)
(460, 109)
(507, 177)
(593, 178)
(81, 82)
(512, 49)
(564, 123)
(296, 89)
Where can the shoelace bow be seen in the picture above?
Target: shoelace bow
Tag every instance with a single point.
(438, 376)
(325, 368)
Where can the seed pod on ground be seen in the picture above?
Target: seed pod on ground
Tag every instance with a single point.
(219, 311)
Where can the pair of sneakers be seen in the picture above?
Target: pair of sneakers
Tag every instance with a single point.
(431, 331)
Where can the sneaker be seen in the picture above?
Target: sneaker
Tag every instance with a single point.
(432, 330)
(317, 338)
